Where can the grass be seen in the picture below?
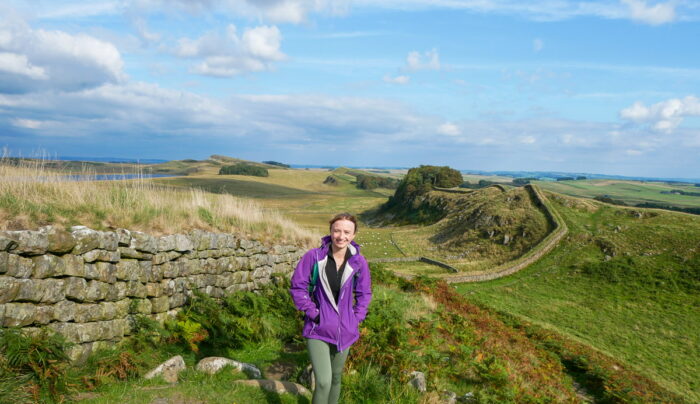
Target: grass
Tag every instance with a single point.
(640, 306)
(630, 192)
(32, 195)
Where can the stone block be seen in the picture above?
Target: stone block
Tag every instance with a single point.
(74, 265)
(75, 289)
(162, 257)
(18, 314)
(28, 242)
(86, 239)
(59, 240)
(166, 243)
(44, 314)
(106, 272)
(143, 242)
(141, 306)
(122, 308)
(41, 291)
(282, 268)
(145, 271)
(85, 313)
(18, 266)
(183, 243)
(102, 256)
(236, 288)
(177, 300)
(9, 288)
(156, 274)
(154, 290)
(128, 252)
(128, 270)
(167, 286)
(6, 243)
(262, 272)
(118, 291)
(4, 261)
(47, 265)
(123, 237)
(91, 271)
(64, 311)
(96, 291)
(108, 241)
(160, 304)
(261, 282)
(135, 289)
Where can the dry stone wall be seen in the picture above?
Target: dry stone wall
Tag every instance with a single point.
(88, 284)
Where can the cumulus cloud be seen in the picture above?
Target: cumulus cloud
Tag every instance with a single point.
(656, 14)
(429, 60)
(32, 60)
(664, 116)
(229, 54)
(397, 79)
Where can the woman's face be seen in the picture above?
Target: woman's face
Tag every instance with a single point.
(342, 233)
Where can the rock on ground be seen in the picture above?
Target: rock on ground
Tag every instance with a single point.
(214, 364)
(168, 369)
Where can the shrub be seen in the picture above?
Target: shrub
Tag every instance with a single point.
(244, 169)
(32, 366)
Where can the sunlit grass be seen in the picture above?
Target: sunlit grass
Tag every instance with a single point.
(32, 195)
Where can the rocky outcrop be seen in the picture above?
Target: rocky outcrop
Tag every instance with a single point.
(87, 284)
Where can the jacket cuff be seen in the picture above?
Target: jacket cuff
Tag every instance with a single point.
(313, 314)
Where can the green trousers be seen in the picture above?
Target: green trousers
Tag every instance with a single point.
(328, 370)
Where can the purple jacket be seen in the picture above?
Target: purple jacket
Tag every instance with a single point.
(324, 320)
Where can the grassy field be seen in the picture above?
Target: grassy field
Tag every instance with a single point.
(641, 305)
(630, 192)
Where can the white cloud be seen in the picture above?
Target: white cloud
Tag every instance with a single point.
(430, 60)
(397, 79)
(664, 116)
(32, 60)
(228, 54)
(656, 14)
(19, 64)
(27, 123)
(537, 44)
(449, 129)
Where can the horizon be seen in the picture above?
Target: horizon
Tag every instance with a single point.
(111, 159)
(607, 86)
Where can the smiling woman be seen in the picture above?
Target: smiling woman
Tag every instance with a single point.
(332, 286)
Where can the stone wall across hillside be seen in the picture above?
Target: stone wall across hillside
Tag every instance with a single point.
(88, 285)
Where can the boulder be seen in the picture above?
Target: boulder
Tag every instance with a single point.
(168, 369)
(213, 364)
(308, 378)
(418, 381)
(276, 386)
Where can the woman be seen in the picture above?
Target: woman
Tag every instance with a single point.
(331, 285)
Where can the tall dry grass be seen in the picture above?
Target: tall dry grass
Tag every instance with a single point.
(32, 195)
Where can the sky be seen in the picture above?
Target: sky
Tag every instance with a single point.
(599, 86)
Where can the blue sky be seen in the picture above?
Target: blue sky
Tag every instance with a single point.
(607, 86)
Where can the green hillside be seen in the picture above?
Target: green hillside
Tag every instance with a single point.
(624, 281)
